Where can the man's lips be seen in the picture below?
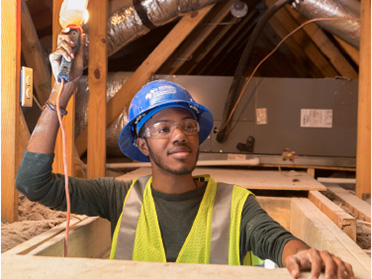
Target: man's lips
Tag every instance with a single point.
(179, 150)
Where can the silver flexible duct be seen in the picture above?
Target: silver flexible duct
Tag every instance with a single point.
(348, 30)
(134, 21)
(114, 82)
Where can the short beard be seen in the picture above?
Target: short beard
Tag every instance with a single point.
(159, 163)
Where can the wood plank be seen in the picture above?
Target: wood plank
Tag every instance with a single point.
(10, 80)
(34, 57)
(349, 49)
(360, 208)
(267, 180)
(30, 245)
(97, 78)
(363, 162)
(146, 70)
(42, 267)
(326, 46)
(343, 220)
(311, 225)
(69, 119)
(304, 42)
(278, 208)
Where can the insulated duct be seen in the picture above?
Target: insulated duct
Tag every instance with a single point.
(114, 82)
(348, 30)
(134, 21)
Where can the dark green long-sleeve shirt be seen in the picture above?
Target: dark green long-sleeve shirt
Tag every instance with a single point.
(104, 197)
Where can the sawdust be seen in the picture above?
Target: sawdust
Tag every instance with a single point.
(33, 219)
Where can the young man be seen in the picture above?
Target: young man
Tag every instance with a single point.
(171, 215)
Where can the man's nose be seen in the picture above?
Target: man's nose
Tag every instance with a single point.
(178, 136)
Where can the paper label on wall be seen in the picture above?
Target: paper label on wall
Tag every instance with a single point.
(261, 116)
(316, 118)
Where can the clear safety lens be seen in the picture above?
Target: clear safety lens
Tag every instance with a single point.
(164, 129)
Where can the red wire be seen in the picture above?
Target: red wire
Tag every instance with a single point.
(64, 166)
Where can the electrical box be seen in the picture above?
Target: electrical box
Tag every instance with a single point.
(26, 87)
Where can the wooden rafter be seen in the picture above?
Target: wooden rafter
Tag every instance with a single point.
(33, 55)
(97, 77)
(349, 49)
(304, 42)
(147, 68)
(326, 46)
(197, 37)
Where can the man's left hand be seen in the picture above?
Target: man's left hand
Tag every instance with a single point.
(316, 261)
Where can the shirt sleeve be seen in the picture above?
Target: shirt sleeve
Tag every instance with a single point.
(260, 234)
(93, 197)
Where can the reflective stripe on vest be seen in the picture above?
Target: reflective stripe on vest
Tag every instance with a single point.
(125, 233)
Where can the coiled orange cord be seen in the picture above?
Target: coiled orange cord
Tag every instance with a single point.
(64, 166)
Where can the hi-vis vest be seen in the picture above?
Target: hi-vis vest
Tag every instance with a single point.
(213, 238)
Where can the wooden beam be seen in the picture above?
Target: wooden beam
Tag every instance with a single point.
(311, 225)
(326, 46)
(349, 49)
(210, 44)
(24, 135)
(10, 80)
(146, 69)
(193, 42)
(363, 162)
(358, 207)
(343, 220)
(97, 78)
(33, 54)
(238, 29)
(69, 119)
(304, 42)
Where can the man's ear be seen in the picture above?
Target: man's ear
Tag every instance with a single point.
(142, 146)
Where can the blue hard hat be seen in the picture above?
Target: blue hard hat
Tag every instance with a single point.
(152, 98)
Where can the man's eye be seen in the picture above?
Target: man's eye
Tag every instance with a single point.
(162, 129)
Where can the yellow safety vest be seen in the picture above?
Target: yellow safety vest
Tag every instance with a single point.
(213, 238)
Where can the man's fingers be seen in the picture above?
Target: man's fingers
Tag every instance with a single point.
(344, 270)
(330, 265)
(316, 263)
(293, 266)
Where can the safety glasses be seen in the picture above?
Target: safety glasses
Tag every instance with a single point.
(164, 129)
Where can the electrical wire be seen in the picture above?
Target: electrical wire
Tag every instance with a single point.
(64, 166)
(271, 53)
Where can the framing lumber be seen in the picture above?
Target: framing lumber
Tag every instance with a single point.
(195, 40)
(47, 267)
(266, 180)
(238, 29)
(33, 54)
(10, 108)
(363, 158)
(349, 49)
(311, 225)
(326, 46)
(146, 70)
(343, 220)
(304, 42)
(24, 135)
(97, 80)
(278, 208)
(69, 119)
(210, 45)
(358, 207)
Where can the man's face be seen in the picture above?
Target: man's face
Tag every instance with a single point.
(176, 154)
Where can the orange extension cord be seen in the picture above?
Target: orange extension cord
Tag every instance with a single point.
(267, 56)
(64, 166)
